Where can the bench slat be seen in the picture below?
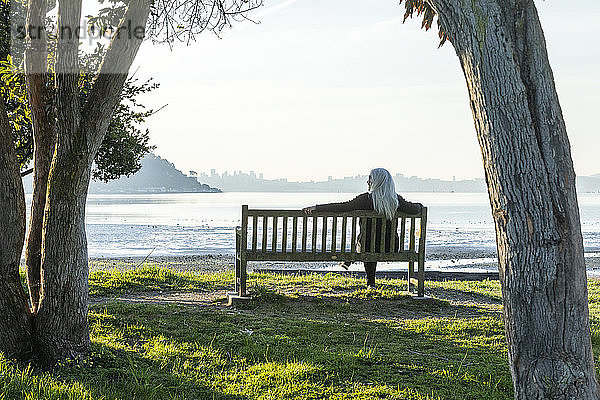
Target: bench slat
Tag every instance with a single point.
(254, 231)
(402, 233)
(295, 233)
(344, 234)
(331, 256)
(314, 234)
(304, 232)
(344, 227)
(363, 236)
(393, 234)
(324, 235)
(353, 237)
(274, 241)
(382, 242)
(411, 243)
(334, 234)
(373, 232)
(284, 235)
(264, 233)
(298, 213)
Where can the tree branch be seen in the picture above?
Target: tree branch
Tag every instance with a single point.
(183, 20)
(36, 68)
(67, 69)
(426, 8)
(35, 50)
(106, 90)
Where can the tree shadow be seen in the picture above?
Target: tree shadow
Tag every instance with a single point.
(111, 372)
(463, 295)
(374, 303)
(273, 345)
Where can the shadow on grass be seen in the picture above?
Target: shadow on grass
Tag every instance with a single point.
(113, 372)
(464, 295)
(109, 373)
(367, 303)
(221, 354)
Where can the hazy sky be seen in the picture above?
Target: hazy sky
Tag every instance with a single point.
(340, 87)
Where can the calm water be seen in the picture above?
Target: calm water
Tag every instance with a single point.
(200, 223)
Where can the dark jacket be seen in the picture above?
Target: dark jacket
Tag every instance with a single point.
(364, 202)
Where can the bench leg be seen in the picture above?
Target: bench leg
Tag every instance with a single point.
(421, 277)
(243, 278)
(240, 294)
(238, 271)
(410, 275)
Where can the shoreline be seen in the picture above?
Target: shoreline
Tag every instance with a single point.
(439, 258)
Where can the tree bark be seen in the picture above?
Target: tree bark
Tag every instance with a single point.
(531, 183)
(61, 329)
(61, 324)
(15, 339)
(39, 97)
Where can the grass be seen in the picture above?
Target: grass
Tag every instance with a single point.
(302, 337)
(153, 278)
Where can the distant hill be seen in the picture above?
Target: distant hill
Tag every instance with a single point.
(157, 175)
(251, 182)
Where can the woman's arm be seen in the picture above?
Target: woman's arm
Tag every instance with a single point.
(408, 207)
(360, 202)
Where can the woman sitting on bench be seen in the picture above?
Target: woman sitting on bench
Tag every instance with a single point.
(382, 198)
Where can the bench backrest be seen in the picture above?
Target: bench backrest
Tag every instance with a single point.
(291, 235)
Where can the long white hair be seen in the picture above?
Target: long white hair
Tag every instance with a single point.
(383, 192)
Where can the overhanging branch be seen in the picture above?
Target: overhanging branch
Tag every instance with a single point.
(424, 8)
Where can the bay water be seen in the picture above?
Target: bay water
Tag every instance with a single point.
(126, 225)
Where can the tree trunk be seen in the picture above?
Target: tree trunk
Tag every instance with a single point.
(43, 149)
(531, 183)
(43, 136)
(61, 324)
(15, 337)
(61, 329)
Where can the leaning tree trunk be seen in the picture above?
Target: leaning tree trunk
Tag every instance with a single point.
(43, 137)
(15, 333)
(43, 149)
(531, 183)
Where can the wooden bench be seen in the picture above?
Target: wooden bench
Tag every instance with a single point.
(292, 236)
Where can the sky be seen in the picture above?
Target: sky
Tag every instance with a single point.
(336, 88)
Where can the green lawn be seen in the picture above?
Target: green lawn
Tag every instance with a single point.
(305, 337)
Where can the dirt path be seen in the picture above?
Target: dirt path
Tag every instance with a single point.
(443, 304)
(195, 299)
